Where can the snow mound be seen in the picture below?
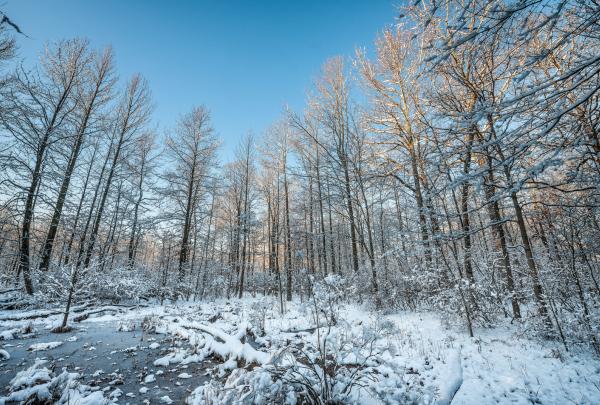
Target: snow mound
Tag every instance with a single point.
(226, 346)
(37, 384)
(8, 334)
(451, 379)
(36, 347)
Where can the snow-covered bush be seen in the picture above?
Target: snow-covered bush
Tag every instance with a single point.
(109, 286)
(39, 385)
(243, 387)
(332, 372)
(150, 323)
(123, 284)
(292, 384)
(327, 299)
(59, 280)
(68, 285)
(258, 313)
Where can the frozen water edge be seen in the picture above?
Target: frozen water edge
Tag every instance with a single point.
(109, 360)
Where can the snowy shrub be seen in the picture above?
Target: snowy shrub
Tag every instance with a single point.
(39, 385)
(333, 370)
(327, 298)
(264, 281)
(123, 284)
(69, 285)
(243, 387)
(59, 281)
(289, 380)
(258, 314)
(150, 323)
(126, 326)
(93, 284)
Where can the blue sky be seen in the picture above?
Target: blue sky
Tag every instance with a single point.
(244, 60)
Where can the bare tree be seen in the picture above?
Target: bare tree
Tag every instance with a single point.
(191, 150)
(40, 108)
(94, 91)
(131, 116)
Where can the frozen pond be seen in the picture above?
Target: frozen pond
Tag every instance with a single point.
(110, 360)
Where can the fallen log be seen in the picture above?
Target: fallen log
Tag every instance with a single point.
(40, 313)
(112, 308)
(9, 305)
(226, 345)
(9, 290)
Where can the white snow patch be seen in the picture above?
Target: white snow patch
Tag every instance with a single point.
(44, 346)
(451, 379)
(166, 400)
(116, 393)
(8, 334)
(37, 384)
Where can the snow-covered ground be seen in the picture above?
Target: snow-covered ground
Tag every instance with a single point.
(246, 351)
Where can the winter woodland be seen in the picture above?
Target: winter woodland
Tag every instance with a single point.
(425, 231)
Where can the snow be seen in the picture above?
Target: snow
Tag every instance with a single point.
(116, 393)
(451, 378)
(4, 355)
(31, 376)
(95, 398)
(166, 400)
(44, 346)
(163, 361)
(229, 346)
(37, 384)
(419, 358)
(8, 334)
(412, 358)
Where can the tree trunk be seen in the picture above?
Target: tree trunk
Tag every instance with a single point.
(420, 204)
(353, 239)
(498, 229)
(134, 225)
(288, 238)
(466, 224)
(533, 273)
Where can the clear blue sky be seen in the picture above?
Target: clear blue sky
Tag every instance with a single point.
(244, 60)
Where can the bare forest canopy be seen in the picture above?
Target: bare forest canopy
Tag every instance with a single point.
(456, 169)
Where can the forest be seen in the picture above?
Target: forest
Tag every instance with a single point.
(426, 230)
